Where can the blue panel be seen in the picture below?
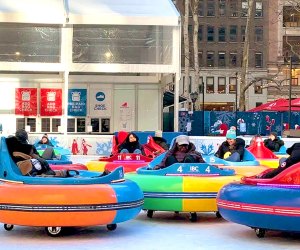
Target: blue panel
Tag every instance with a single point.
(77, 99)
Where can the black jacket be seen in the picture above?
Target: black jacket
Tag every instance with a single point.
(161, 142)
(224, 148)
(294, 152)
(131, 146)
(14, 145)
(274, 145)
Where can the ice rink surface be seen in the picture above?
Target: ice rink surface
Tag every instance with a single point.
(166, 230)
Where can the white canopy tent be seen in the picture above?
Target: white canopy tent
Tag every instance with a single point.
(71, 13)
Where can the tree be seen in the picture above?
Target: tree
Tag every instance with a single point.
(186, 43)
(245, 63)
(195, 9)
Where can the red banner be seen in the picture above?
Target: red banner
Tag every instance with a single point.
(26, 101)
(51, 102)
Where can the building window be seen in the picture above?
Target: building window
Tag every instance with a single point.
(232, 85)
(259, 34)
(244, 8)
(201, 8)
(200, 58)
(80, 125)
(258, 60)
(222, 34)
(71, 125)
(221, 85)
(233, 33)
(55, 123)
(21, 123)
(295, 81)
(210, 33)
(113, 44)
(200, 33)
(243, 33)
(95, 125)
(258, 87)
(210, 59)
(222, 7)
(105, 125)
(222, 59)
(50, 124)
(210, 8)
(258, 8)
(233, 59)
(233, 8)
(32, 123)
(30, 43)
(291, 17)
(100, 125)
(210, 85)
(46, 125)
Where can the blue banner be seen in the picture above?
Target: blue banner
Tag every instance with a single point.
(77, 99)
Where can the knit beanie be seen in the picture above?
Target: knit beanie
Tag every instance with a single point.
(231, 134)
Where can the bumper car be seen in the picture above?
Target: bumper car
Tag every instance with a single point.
(54, 203)
(264, 204)
(130, 162)
(249, 166)
(62, 160)
(264, 155)
(182, 187)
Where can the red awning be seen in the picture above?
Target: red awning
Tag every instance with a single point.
(285, 108)
(271, 106)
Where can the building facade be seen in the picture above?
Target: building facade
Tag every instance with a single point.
(85, 67)
(221, 36)
(286, 52)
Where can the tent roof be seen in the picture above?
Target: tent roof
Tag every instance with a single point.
(270, 105)
(32, 11)
(113, 12)
(123, 12)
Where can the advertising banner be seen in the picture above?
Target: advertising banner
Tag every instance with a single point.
(26, 101)
(100, 101)
(77, 99)
(51, 102)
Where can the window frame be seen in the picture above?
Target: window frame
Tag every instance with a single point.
(210, 85)
(221, 87)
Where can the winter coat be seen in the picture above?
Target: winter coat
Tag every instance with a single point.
(239, 147)
(274, 145)
(161, 142)
(294, 152)
(131, 146)
(191, 152)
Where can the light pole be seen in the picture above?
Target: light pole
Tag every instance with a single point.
(194, 97)
(236, 97)
(290, 92)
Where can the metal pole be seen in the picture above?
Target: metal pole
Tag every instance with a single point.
(290, 92)
(203, 116)
(236, 97)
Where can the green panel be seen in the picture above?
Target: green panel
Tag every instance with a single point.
(159, 184)
(160, 204)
